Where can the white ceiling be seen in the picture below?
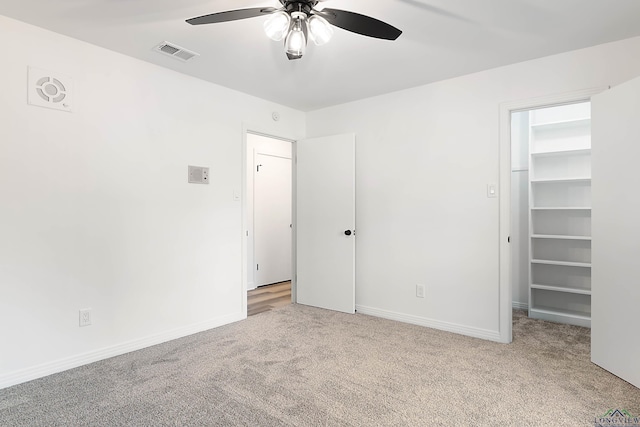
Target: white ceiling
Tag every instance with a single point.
(441, 39)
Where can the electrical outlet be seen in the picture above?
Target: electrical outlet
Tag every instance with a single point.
(420, 291)
(85, 317)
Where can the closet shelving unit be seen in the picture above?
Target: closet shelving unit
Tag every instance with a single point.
(560, 214)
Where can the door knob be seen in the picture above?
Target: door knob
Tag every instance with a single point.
(347, 232)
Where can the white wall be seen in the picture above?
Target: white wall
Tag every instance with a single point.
(424, 158)
(96, 211)
(265, 145)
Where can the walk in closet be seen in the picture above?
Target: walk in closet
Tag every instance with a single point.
(558, 239)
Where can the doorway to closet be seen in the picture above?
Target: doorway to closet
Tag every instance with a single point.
(551, 212)
(269, 231)
(607, 297)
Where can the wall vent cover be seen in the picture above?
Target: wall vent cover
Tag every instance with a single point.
(175, 51)
(198, 175)
(49, 89)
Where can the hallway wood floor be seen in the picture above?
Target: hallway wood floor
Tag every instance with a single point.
(268, 297)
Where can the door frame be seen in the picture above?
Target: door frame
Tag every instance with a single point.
(504, 217)
(269, 133)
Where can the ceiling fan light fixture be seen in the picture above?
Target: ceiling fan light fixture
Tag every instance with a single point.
(277, 25)
(320, 30)
(296, 42)
(297, 21)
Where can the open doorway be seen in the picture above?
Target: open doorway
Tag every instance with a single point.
(560, 175)
(551, 213)
(269, 232)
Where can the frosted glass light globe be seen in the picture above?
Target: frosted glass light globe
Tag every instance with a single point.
(296, 42)
(277, 25)
(321, 31)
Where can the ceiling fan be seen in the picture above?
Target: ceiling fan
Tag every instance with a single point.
(297, 20)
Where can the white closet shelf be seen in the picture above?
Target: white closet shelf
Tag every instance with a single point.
(560, 208)
(559, 236)
(571, 317)
(559, 217)
(562, 289)
(561, 180)
(562, 152)
(565, 263)
(569, 313)
(583, 121)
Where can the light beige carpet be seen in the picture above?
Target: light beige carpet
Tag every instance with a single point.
(301, 366)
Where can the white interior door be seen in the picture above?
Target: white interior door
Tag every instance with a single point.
(272, 219)
(325, 222)
(616, 234)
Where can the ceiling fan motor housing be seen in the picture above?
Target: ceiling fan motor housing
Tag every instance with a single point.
(299, 6)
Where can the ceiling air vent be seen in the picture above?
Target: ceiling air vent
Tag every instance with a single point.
(175, 51)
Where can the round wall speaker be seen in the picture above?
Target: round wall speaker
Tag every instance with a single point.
(49, 89)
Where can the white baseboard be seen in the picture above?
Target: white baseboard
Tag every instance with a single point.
(431, 323)
(42, 370)
(520, 305)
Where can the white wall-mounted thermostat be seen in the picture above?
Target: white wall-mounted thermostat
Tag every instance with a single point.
(198, 175)
(50, 89)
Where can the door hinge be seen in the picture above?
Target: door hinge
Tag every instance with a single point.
(257, 267)
(258, 168)
(508, 239)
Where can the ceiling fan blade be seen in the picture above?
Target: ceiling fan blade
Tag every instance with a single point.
(231, 15)
(361, 24)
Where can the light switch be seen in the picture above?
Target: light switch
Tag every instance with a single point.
(492, 191)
